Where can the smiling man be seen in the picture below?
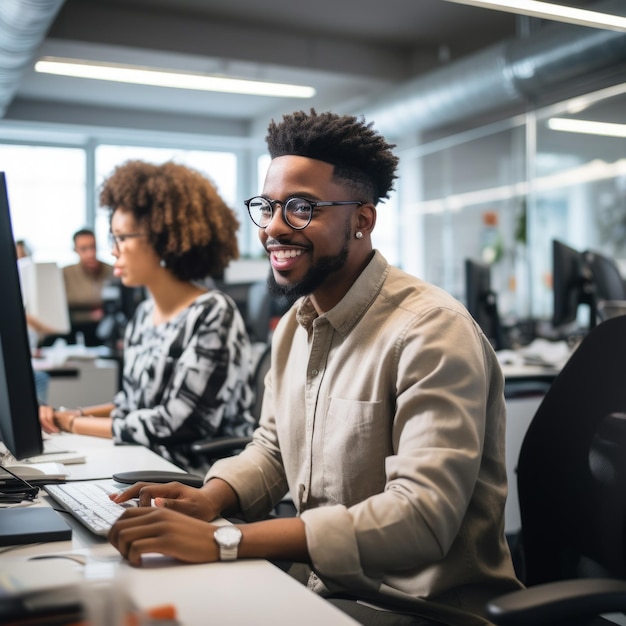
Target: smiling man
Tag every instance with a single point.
(383, 414)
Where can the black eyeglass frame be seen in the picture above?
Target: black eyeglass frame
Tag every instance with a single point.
(117, 240)
(15, 489)
(272, 204)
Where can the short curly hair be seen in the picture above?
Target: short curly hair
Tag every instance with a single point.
(361, 156)
(189, 226)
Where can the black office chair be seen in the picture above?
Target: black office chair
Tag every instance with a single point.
(216, 448)
(572, 492)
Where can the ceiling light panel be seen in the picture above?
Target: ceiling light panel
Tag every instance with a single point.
(163, 78)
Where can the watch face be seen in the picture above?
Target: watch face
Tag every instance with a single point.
(228, 536)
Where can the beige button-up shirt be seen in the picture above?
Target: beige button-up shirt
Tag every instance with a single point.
(84, 291)
(385, 419)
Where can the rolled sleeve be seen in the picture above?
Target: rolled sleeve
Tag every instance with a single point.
(333, 547)
(256, 478)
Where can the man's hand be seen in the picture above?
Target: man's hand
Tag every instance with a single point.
(143, 530)
(205, 503)
(165, 528)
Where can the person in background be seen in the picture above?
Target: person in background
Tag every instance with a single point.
(35, 329)
(22, 250)
(383, 414)
(84, 282)
(187, 356)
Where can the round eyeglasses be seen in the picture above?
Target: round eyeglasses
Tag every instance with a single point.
(297, 212)
(116, 241)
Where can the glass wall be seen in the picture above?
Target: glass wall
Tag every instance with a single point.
(579, 184)
(502, 193)
(472, 205)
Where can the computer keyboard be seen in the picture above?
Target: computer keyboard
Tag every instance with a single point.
(89, 503)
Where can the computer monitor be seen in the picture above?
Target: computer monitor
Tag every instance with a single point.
(582, 278)
(482, 303)
(19, 411)
(44, 294)
(571, 284)
(607, 280)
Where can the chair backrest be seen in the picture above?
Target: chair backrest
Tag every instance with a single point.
(258, 380)
(571, 471)
(258, 311)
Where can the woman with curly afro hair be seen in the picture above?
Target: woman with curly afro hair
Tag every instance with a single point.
(186, 351)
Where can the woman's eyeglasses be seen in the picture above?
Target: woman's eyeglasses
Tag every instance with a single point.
(118, 240)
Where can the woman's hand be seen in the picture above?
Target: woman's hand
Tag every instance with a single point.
(143, 530)
(46, 419)
(64, 419)
(199, 503)
(55, 421)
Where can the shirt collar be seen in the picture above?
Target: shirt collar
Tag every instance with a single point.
(344, 315)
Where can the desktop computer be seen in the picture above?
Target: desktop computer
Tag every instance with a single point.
(19, 410)
(43, 292)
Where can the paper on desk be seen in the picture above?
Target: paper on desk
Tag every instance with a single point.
(544, 352)
(35, 471)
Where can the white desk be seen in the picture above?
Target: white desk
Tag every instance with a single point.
(104, 458)
(238, 593)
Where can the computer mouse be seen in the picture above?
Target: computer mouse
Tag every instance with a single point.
(152, 476)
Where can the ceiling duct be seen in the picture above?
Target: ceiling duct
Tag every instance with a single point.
(23, 26)
(507, 74)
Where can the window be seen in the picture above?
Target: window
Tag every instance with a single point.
(47, 196)
(219, 167)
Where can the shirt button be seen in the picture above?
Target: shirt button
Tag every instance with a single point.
(314, 372)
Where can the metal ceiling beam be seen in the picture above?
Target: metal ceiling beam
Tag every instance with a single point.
(23, 26)
(507, 74)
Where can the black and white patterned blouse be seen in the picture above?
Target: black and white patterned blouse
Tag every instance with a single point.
(185, 380)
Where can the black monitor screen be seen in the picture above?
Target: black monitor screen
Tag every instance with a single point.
(607, 280)
(482, 302)
(568, 276)
(19, 411)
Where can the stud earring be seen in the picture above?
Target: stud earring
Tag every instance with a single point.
(162, 263)
(359, 234)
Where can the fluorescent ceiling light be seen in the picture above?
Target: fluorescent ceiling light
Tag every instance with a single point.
(588, 127)
(551, 11)
(165, 78)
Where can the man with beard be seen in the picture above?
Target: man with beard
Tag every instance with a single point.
(383, 414)
(84, 282)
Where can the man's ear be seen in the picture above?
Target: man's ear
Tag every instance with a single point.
(366, 218)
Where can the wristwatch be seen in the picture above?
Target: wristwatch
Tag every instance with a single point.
(227, 538)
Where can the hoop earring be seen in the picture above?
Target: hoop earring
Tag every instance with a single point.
(359, 234)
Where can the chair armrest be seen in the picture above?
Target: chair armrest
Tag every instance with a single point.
(220, 446)
(565, 601)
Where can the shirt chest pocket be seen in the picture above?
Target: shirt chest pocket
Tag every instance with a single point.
(356, 439)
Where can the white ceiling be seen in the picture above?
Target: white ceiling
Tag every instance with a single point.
(352, 51)
(349, 50)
